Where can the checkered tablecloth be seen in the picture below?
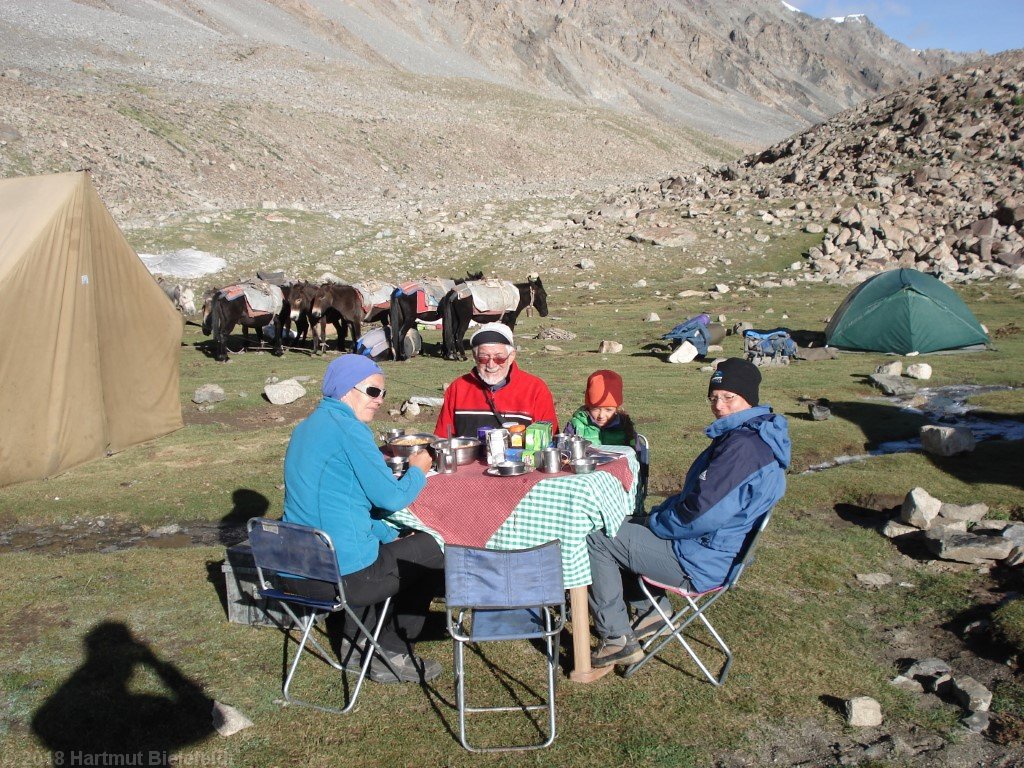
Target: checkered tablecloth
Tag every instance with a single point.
(565, 507)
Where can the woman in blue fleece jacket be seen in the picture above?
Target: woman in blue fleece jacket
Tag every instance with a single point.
(336, 480)
(693, 538)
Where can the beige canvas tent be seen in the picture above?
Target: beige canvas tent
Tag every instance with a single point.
(89, 352)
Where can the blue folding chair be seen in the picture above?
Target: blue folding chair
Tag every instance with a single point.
(290, 550)
(495, 595)
(695, 607)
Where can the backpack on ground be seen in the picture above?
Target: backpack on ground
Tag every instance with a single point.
(774, 347)
(693, 330)
(376, 344)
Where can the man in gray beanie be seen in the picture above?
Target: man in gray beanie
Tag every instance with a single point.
(692, 539)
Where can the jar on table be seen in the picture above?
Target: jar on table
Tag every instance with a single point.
(517, 435)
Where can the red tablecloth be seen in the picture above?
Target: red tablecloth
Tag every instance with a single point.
(468, 506)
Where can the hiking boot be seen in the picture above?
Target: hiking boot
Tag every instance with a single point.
(616, 650)
(350, 656)
(410, 668)
(648, 625)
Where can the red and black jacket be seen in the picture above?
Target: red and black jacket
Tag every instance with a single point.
(469, 403)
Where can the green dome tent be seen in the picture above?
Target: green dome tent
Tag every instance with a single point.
(903, 311)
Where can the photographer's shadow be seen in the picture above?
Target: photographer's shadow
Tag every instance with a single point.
(99, 711)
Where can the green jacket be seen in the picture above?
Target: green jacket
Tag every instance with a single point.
(619, 430)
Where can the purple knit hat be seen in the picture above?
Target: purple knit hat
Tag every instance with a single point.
(345, 372)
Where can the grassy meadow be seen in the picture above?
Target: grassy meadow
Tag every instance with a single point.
(804, 632)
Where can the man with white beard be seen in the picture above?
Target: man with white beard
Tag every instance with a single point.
(496, 391)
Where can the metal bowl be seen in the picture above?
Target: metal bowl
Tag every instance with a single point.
(507, 468)
(406, 445)
(582, 466)
(466, 449)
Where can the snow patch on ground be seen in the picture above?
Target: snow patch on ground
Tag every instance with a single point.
(187, 262)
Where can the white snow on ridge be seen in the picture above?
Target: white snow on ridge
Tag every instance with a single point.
(791, 7)
(858, 17)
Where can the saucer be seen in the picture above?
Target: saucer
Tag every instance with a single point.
(493, 472)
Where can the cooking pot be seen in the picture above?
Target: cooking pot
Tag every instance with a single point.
(466, 449)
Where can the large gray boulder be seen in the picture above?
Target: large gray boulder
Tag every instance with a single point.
(972, 513)
(930, 672)
(970, 694)
(892, 385)
(967, 547)
(863, 712)
(919, 371)
(894, 368)
(208, 393)
(284, 392)
(895, 530)
(919, 509)
(947, 441)
(227, 720)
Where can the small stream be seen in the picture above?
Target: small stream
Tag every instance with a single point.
(107, 536)
(943, 406)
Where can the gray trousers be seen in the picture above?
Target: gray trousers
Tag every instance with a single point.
(634, 549)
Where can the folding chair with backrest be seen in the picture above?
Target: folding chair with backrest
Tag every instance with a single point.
(696, 605)
(643, 457)
(290, 550)
(495, 595)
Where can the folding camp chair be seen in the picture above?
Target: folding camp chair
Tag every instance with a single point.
(280, 548)
(495, 595)
(695, 607)
(643, 457)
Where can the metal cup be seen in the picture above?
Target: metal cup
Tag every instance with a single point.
(549, 460)
(577, 448)
(445, 463)
(397, 464)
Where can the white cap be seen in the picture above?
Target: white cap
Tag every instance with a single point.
(492, 333)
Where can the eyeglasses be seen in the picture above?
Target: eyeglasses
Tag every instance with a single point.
(726, 399)
(496, 359)
(374, 392)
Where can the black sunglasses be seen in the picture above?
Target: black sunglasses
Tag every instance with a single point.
(373, 392)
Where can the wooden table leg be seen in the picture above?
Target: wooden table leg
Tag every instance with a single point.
(582, 672)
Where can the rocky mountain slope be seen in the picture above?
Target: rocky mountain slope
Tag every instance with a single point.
(746, 69)
(220, 104)
(929, 177)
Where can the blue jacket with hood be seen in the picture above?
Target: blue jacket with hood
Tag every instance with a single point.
(730, 486)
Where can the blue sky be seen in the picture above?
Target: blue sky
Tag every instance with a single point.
(957, 25)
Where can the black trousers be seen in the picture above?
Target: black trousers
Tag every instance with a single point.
(410, 569)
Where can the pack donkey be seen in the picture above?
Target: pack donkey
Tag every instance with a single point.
(457, 310)
(227, 307)
(340, 305)
(419, 300)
